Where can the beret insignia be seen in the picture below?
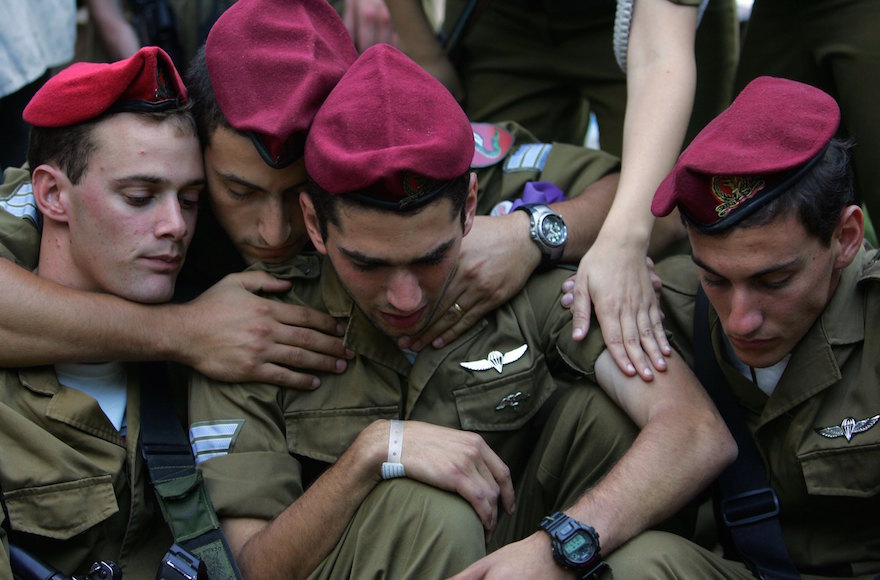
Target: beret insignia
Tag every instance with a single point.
(732, 191)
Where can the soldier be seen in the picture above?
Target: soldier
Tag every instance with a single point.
(791, 322)
(117, 175)
(300, 479)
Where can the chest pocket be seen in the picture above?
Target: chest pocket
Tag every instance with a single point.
(325, 434)
(61, 510)
(506, 403)
(843, 471)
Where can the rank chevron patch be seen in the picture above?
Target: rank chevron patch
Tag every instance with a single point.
(211, 439)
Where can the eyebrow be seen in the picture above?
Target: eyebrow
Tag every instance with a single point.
(758, 274)
(434, 255)
(155, 180)
(245, 183)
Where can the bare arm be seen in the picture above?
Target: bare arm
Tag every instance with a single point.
(498, 256)
(228, 333)
(293, 544)
(368, 22)
(661, 76)
(116, 33)
(682, 446)
(416, 38)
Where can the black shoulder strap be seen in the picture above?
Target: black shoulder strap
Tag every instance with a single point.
(748, 506)
(176, 481)
(461, 28)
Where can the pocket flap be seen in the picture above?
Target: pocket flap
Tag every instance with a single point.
(61, 510)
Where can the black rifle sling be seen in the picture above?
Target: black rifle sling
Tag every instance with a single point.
(178, 484)
(748, 505)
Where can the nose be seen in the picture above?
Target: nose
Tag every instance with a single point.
(171, 223)
(745, 316)
(404, 293)
(274, 225)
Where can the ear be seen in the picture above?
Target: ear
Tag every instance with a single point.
(311, 220)
(848, 235)
(51, 187)
(470, 204)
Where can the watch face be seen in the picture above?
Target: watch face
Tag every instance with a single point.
(553, 230)
(579, 548)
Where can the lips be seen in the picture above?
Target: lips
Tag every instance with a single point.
(165, 262)
(751, 345)
(403, 322)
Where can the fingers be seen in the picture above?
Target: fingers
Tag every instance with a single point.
(257, 281)
(466, 319)
(580, 307)
(448, 321)
(462, 462)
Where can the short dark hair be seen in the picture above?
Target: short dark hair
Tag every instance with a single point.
(71, 147)
(818, 197)
(207, 111)
(327, 205)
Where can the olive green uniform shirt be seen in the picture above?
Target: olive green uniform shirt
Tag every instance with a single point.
(75, 490)
(827, 487)
(254, 442)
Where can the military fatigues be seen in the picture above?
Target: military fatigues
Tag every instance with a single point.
(828, 487)
(260, 445)
(19, 219)
(545, 64)
(75, 490)
(832, 45)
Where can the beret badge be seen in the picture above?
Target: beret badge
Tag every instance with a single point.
(415, 187)
(733, 190)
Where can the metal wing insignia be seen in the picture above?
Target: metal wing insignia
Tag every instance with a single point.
(848, 427)
(496, 360)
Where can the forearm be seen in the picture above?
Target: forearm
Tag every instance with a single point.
(42, 323)
(299, 539)
(584, 215)
(661, 80)
(682, 446)
(117, 35)
(414, 32)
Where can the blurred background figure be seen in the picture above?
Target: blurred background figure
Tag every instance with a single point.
(34, 37)
(832, 45)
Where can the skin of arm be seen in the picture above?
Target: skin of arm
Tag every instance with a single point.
(228, 333)
(116, 33)
(498, 256)
(661, 76)
(416, 38)
(682, 446)
(368, 22)
(294, 543)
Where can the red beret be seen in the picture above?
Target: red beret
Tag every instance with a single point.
(769, 137)
(272, 63)
(146, 81)
(389, 132)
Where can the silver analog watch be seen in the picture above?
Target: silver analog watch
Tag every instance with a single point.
(548, 231)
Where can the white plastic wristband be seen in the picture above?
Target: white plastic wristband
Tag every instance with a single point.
(393, 467)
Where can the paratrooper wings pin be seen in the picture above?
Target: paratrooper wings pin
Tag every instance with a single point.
(495, 359)
(848, 427)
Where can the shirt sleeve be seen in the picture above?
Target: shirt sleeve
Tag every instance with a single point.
(237, 432)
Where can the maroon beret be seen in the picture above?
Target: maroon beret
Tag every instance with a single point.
(389, 132)
(146, 81)
(769, 137)
(272, 63)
